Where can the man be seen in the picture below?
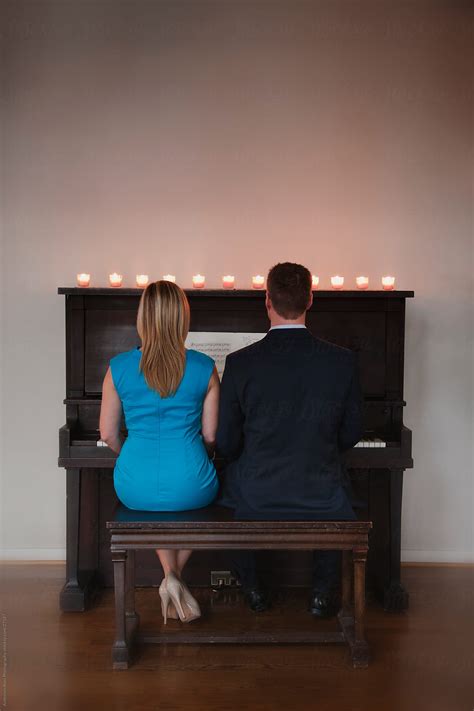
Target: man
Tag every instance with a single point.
(290, 404)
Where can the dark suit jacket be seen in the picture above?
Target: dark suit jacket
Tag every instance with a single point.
(290, 405)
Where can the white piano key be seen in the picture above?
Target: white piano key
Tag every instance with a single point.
(369, 443)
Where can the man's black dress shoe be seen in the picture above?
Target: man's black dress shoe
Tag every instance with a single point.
(257, 600)
(323, 604)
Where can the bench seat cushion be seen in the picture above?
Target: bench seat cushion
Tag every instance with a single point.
(217, 517)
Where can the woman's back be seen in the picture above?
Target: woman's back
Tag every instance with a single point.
(163, 464)
(170, 399)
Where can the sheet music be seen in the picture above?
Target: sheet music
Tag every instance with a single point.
(217, 344)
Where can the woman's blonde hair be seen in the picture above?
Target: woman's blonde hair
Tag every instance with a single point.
(163, 324)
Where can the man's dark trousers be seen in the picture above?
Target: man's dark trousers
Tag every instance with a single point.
(325, 575)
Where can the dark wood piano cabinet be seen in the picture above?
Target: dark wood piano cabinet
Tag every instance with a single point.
(101, 323)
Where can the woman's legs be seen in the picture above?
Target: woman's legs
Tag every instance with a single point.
(183, 557)
(173, 561)
(169, 560)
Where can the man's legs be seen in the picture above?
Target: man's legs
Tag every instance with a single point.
(243, 564)
(326, 571)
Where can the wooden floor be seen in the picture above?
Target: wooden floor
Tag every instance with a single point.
(422, 660)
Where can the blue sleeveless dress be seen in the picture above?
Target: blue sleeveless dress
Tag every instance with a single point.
(163, 464)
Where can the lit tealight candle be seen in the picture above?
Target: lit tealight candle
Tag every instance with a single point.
(142, 280)
(83, 279)
(337, 282)
(228, 281)
(315, 281)
(388, 283)
(199, 281)
(258, 282)
(169, 277)
(362, 282)
(115, 279)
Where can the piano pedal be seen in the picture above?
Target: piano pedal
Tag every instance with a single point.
(396, 598)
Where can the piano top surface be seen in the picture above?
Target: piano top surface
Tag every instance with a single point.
(238, 293)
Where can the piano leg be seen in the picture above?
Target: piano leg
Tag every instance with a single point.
(395, 596)
(80, 586)
(120, 648)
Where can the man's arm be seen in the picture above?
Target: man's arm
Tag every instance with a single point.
(229, 431)
(351, 428)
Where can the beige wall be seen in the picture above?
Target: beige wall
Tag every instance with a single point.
(217, 137)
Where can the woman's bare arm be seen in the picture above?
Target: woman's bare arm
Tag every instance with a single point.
(110, 414)
(210, 412)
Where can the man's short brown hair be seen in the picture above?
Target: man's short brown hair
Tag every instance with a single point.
(289, 288)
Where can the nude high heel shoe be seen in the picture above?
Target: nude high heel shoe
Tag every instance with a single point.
(167, 607)
(186, 606)
(192, 605)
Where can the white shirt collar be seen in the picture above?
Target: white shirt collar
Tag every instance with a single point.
(288, 325)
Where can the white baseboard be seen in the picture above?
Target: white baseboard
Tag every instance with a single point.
(414, 556)
(35, 554)
(408, 555)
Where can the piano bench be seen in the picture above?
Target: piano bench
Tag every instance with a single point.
(215, 528)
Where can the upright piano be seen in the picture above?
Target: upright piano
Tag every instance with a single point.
(101, 322)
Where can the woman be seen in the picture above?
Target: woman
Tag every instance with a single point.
(169, 396)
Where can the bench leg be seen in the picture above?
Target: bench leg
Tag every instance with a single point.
(132, 619)
(81, 586)
(359, 648)
(120, 649)
(346, 610)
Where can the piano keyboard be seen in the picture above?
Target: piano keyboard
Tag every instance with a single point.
(374, 442)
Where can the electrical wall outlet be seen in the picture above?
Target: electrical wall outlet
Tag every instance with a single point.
(222, 579)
